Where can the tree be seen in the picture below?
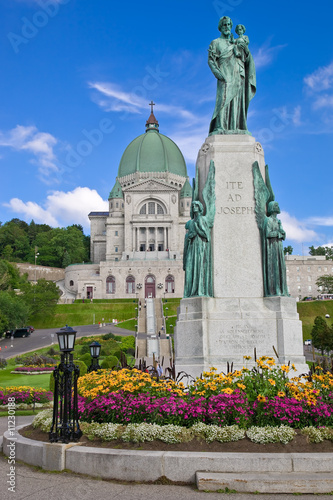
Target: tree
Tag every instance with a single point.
(288, 250)
(41, 297)
(316, 251)
(326, 283)
(322, 335)
(327, 251)
(14, 312)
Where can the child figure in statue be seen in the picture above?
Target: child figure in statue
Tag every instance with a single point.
(238, 51)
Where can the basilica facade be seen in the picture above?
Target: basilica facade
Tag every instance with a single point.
(137, 245)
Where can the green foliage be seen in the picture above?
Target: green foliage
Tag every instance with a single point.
(86, 358)
(109, 362)
(327, 251)
(308, 312)
(41, 297)
(288, 250)
(3, 363)
(326, 282)
(57, 247)
(14, 312)
(131, 351)
(322, 335)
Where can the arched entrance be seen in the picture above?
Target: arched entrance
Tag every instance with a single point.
(150, 289)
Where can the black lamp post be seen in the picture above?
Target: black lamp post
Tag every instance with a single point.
(65, 422)
(95, 350)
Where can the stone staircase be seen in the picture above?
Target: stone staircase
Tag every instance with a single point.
(151, 342)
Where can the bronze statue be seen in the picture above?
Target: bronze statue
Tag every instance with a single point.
(232, 64)
(197, 259)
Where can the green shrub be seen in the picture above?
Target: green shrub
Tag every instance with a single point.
(85, 348)
(3, 363)
(109, 336)
(109, 362)
(86, 358)
(117, 353)
(130, 351)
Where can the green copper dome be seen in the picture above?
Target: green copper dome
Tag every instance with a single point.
(152, 152)
(186, 191)
(116, 191)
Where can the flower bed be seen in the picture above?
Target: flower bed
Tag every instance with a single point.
(264, 396)
(33, 369)
(25, 395)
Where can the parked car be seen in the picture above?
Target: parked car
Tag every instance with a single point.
(31, 328)
(308, 342)
(19, 332)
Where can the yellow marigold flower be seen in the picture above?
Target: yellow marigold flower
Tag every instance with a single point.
(228, 390)
(285, 368)
(247, 357)
(241, 386)
(271, 381)
(261, 398)
(293, 367)
(270, 361)
(281, 394)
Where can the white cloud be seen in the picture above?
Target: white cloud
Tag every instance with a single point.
(39, 144)
(321, 79)
(265, 54)
(31, 210)
(116, 99)
(61, 208)
(297, 230)
(321, 221)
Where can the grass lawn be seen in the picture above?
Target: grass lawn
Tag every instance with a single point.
(308, 312)
(86, 313)
(8, 379)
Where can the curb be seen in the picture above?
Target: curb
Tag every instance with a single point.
(299, 469)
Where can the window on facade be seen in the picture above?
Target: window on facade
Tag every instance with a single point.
(309, 278)
(116, 249)
(310, 288)
(325, 269)
(111, 204)
(188, 203)
(110, 284)
(309, 269)
(319, 269)
(153, 208)
(117, 205)
(297, 269)
(170, 284)
(71, 283)
(116, 233)
(130, 284)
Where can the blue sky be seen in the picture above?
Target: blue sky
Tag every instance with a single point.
(77, 77)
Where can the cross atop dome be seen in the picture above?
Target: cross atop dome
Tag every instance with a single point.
(152, 123)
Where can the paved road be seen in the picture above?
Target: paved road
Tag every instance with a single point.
(44, 338)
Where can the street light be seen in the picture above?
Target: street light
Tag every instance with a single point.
(65, 422)
(36, 255)
(95, 350)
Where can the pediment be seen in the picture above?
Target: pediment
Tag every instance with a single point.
(150, 186)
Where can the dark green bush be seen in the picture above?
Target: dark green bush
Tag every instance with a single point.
(109, 362)
(3, 363)
(130, 351)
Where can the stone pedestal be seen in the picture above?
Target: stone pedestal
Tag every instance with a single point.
(213, 331)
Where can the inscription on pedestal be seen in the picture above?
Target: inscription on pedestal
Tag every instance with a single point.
(234, 197)
(241, 340)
